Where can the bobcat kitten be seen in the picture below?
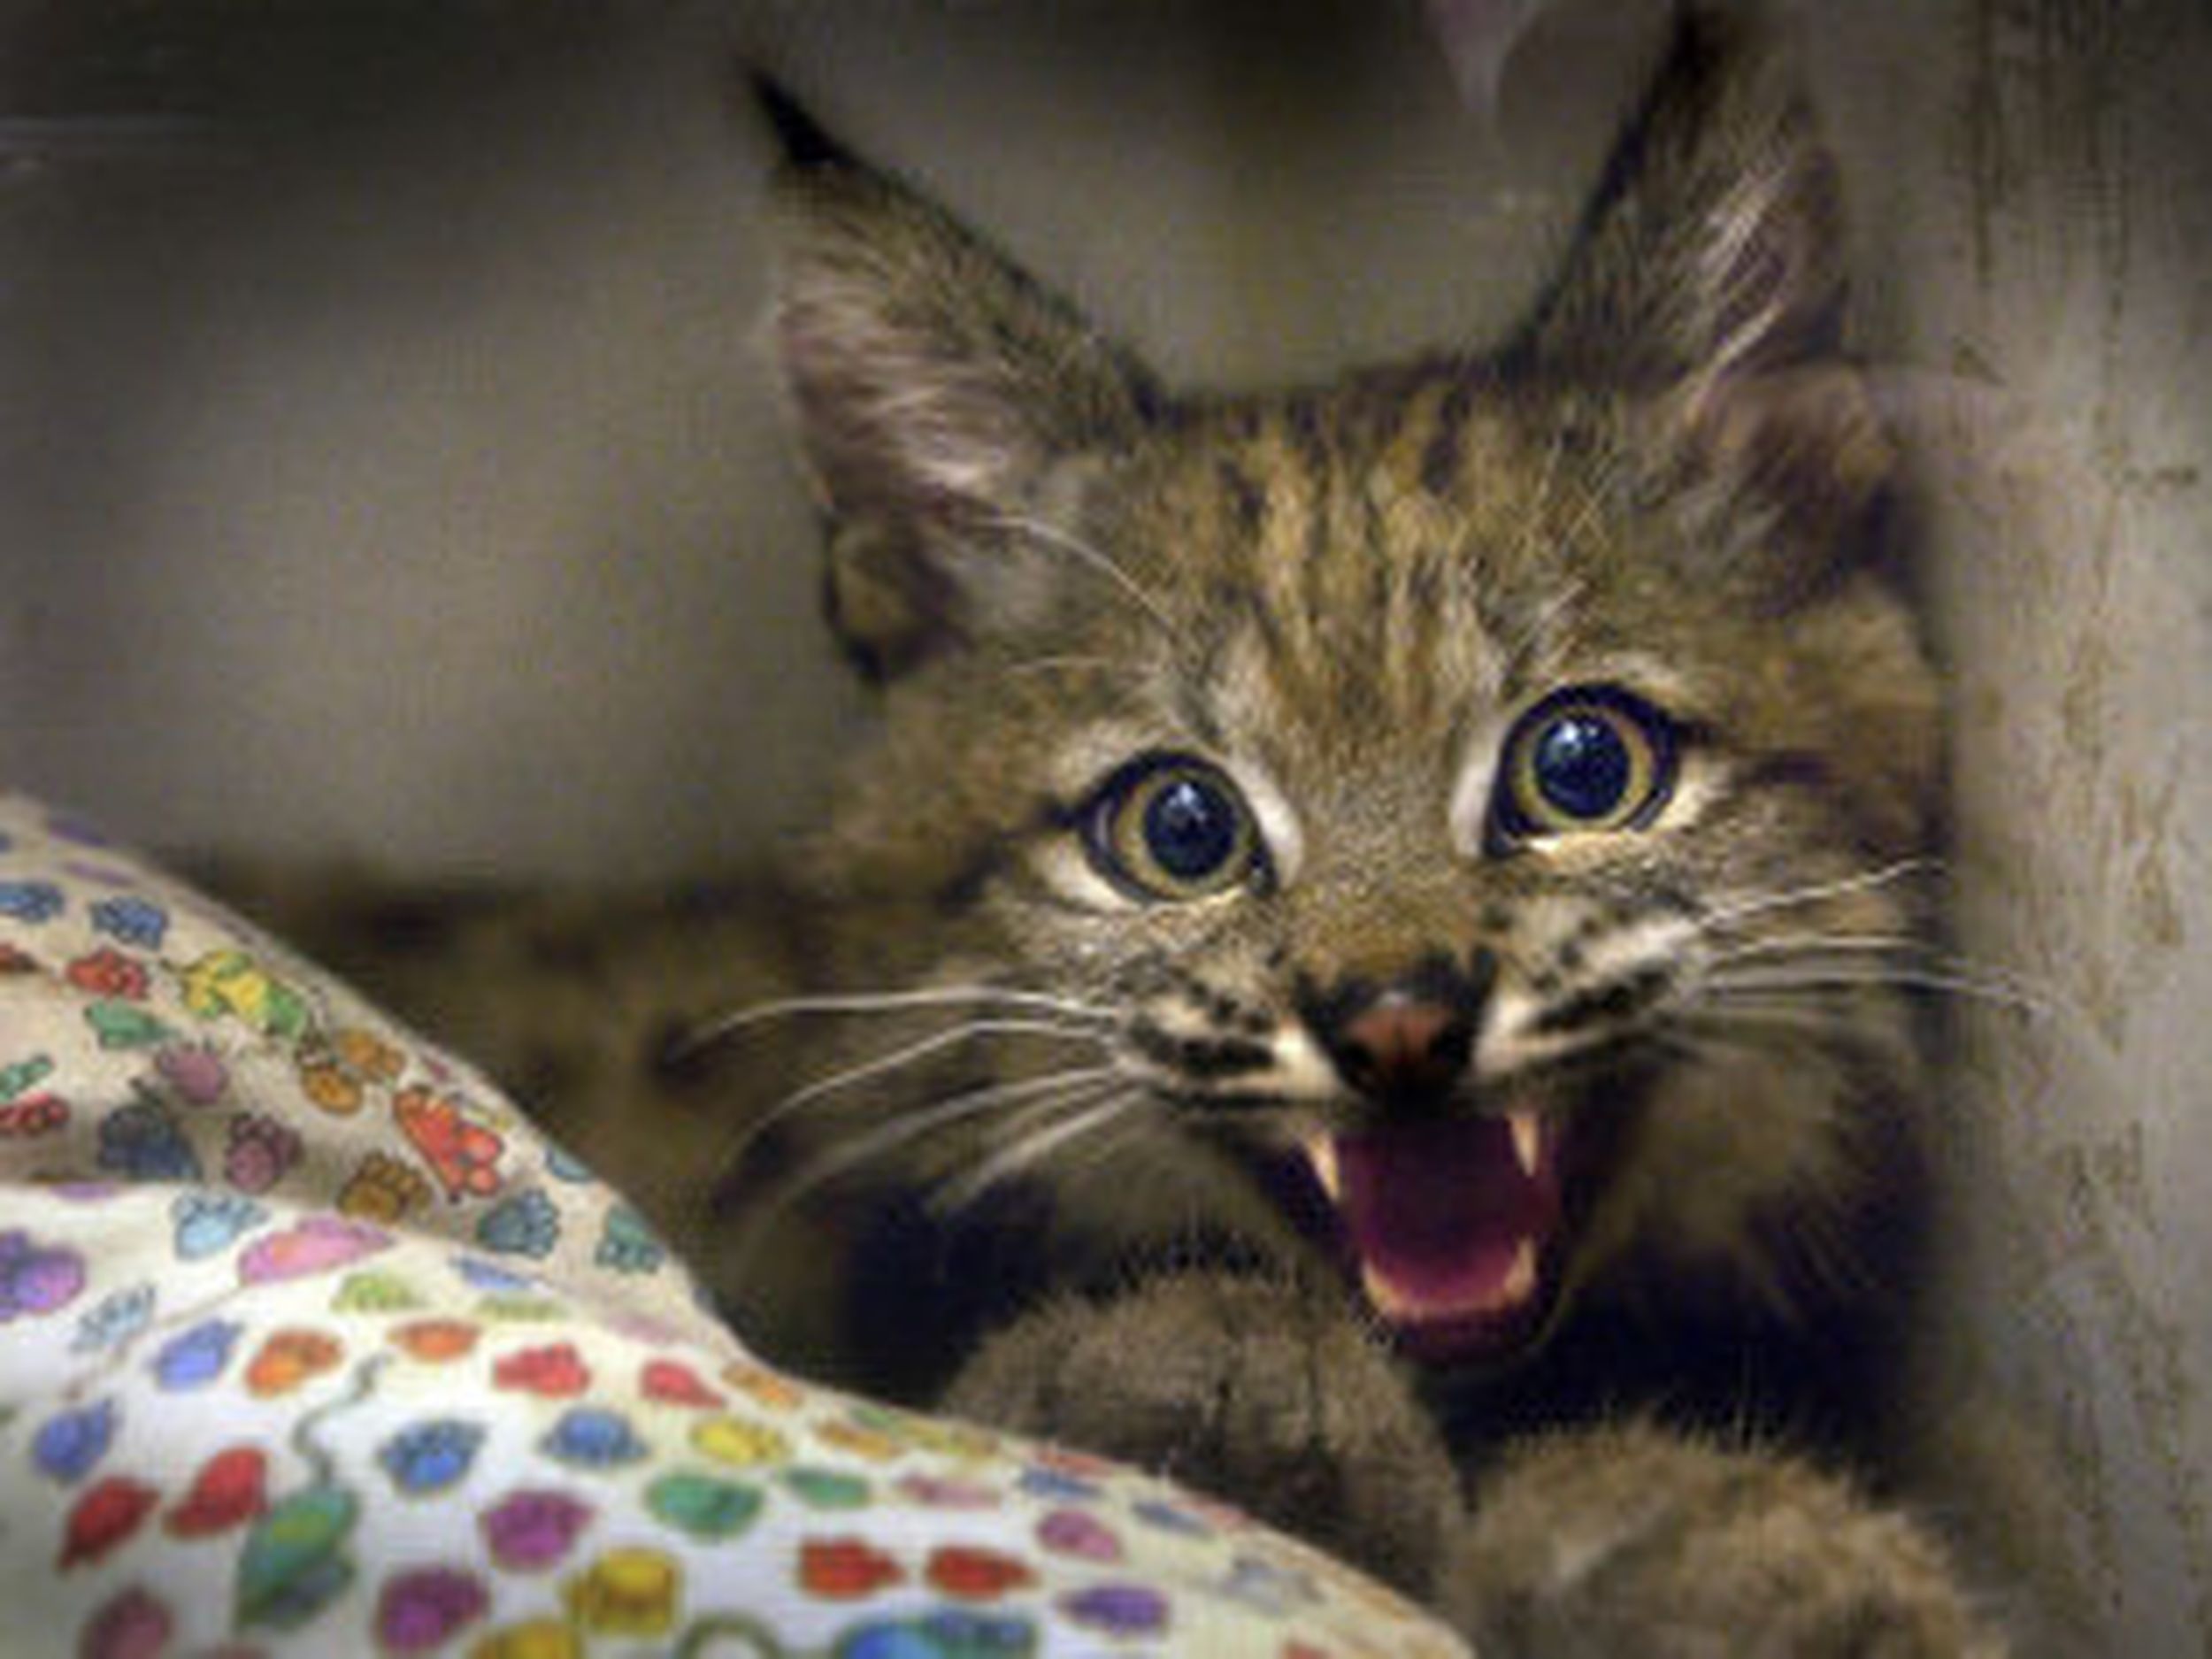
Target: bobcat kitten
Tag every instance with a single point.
(1368, 967)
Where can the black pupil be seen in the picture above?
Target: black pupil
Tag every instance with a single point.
(1581, 765)
(1190, 828)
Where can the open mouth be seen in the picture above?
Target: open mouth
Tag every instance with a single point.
(1451, 1227)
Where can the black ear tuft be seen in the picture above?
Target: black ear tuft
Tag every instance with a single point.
(798, 135)
(1708, 280)
(1713, 244)
(936, 388)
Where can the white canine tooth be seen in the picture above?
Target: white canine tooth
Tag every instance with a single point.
(1321, 1152)
(1522, 1279)
(1382, 1294)
(1528, 1139)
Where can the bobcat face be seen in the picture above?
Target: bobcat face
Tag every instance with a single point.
(1458, 820)
(1435, 854)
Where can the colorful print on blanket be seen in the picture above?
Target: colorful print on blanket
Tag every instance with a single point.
(310, 1344)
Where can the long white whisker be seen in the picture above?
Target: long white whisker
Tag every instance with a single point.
(910, 1126)
(1059, 664)
(1758, 904)
(1903, 949)
(1793, 946)
(1907, 977)
(885, 1001)
(1032, 1149)
(1053, 536)
(817, 1172)
(917, 1051)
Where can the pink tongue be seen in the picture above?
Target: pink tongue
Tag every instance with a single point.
(1438, 1211)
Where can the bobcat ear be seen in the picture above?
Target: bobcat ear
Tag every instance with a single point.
(935, 388)
(1708, 273)
(1713, 243)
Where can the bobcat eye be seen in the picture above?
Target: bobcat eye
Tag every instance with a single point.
(1589, 758)
(1170, 827)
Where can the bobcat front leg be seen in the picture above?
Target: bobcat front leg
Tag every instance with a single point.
(1268, 1395)
(1635, 1541)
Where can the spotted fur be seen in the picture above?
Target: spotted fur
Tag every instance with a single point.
(1008, 1120)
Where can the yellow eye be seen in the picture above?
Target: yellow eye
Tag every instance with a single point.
(1589, 758)
(1171, 826)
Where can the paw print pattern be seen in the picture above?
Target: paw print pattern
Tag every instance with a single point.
(228, 1490)
(526, 1224)
(555, 1372)
(31, 902)
(421, 1610)
(24, 1075)
(320, 1244)
(70, 1445)
(594, 1437)
(23, 1114)
(374, 1292)
(40, 1114)
(198, 1357)
(289, 1359)
(296, 1562)
(705, 1507)
(627, 1244)
(207, 1224)
(195, 1074)
(139, 923)
(337, 1071)
(382, 1188)
(489, 1276)
(1124, 1611)
(143, 1143)
(530, 1530)
(114, 1319)
(1264, 1584)
(463, 1155)
(628, 1592)
(230, 984)
(565, 1166)
(36, 1279)
(122, 1026)
(103, 1519)
(952, 1631)
(108, 973)
(373, 1309)
(78, 832)
(260, 1150)
(431, 1455)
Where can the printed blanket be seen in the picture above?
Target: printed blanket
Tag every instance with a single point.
(310, 1344)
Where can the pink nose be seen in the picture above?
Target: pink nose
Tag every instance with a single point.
(1404, 1046)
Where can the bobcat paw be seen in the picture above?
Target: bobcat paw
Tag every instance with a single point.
(1632, 1540)
(1265, 1394)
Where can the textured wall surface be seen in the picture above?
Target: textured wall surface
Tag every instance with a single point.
(396, 468)
(2070, 459)
(393, 472)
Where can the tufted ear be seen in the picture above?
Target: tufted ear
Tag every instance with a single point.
(935, 387)
(1709, 275)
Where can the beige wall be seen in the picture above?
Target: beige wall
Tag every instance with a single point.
(400, 474)
(409, 487)
(2057, 261)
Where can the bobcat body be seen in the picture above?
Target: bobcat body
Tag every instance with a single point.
(1365, 967)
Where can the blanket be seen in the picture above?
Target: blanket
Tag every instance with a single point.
(311, 1343)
